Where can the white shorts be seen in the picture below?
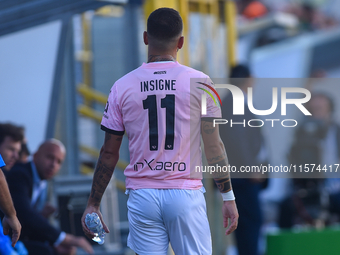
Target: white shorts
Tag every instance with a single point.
(159, 216)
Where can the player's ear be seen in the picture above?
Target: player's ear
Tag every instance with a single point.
(145, 38)
(180, 42)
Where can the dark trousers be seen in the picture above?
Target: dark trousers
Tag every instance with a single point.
(250, 220)
(288, 210)
(38, 248)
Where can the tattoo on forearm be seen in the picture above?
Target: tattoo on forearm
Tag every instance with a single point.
(208, 128)
(223, 185)
(219, 159)
(222, 179)
(101, 179)
(215, 159)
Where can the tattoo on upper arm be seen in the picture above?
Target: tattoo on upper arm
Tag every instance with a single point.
(107, 136)
(208, 127)
(119, 138)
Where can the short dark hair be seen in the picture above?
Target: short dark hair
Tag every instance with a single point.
(239, 74)
(24, 149)
(13, 131)
(164, 24)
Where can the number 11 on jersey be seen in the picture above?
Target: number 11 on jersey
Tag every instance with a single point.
(150, 104)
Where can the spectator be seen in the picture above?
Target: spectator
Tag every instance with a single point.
(254, 10)
(27, 183)
(317, 142)
(11, 137)
(24, 152)
(243, 146)
(251, 9)
(310, 17)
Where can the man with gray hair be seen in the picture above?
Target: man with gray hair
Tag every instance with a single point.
(27, 183)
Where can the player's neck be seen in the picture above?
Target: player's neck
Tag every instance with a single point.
(156, 57)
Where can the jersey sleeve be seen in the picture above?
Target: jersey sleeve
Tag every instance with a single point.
(112, 121)
(213, 103)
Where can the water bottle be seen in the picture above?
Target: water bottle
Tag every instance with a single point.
(95, 225)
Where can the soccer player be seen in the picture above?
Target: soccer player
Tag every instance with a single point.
(156, 108)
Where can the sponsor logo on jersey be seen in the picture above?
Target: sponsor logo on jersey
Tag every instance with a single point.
(160, 72)
(159, 165)
(105, 110)
(106, 107)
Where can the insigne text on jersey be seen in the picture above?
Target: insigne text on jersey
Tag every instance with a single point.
(159, 165)
(157, 85)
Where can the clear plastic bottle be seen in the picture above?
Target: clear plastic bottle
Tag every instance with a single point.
(95, 225)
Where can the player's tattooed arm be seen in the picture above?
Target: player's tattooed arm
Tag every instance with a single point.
(222, 179)
(108, 158)
(216, 155)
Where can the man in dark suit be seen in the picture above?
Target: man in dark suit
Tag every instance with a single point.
(27, 183)
(243, 145)
(320, 146)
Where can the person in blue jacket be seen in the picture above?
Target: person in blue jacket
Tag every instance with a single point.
(10, 220)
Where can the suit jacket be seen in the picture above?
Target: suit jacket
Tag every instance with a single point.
(34, 225)
(338, 138)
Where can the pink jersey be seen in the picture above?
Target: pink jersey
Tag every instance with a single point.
(161, 115)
